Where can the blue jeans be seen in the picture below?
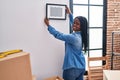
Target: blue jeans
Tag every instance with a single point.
(73, 74)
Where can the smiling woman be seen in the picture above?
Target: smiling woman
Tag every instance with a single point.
(74, 61)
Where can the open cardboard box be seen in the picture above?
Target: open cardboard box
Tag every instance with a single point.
(54, 78)
(16, 67)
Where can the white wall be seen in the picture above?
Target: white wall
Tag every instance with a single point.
(22, 27)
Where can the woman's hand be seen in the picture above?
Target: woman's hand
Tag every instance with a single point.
(46, 20)
(68, 11)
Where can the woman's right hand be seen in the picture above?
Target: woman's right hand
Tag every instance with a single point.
(46, 21)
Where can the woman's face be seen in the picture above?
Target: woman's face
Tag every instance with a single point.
(76, 25)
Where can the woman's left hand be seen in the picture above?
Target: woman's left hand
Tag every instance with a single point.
(68, 11)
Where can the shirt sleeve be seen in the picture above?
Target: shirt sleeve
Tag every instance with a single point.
(71, 19)
(69, 38)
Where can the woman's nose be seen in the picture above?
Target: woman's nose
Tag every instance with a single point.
(74, 24)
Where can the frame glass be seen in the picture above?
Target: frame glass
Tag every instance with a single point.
(56, 11)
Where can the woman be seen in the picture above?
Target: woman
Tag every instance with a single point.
(75, 42)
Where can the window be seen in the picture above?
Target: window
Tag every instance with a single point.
(95, 12)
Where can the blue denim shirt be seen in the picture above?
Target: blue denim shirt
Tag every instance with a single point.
(74, 57)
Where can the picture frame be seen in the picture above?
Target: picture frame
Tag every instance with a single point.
(56, 11)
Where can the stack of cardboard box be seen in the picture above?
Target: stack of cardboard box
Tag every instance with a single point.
(16, 67)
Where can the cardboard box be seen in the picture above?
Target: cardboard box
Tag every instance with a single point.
(54, 78)
(16, 67)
